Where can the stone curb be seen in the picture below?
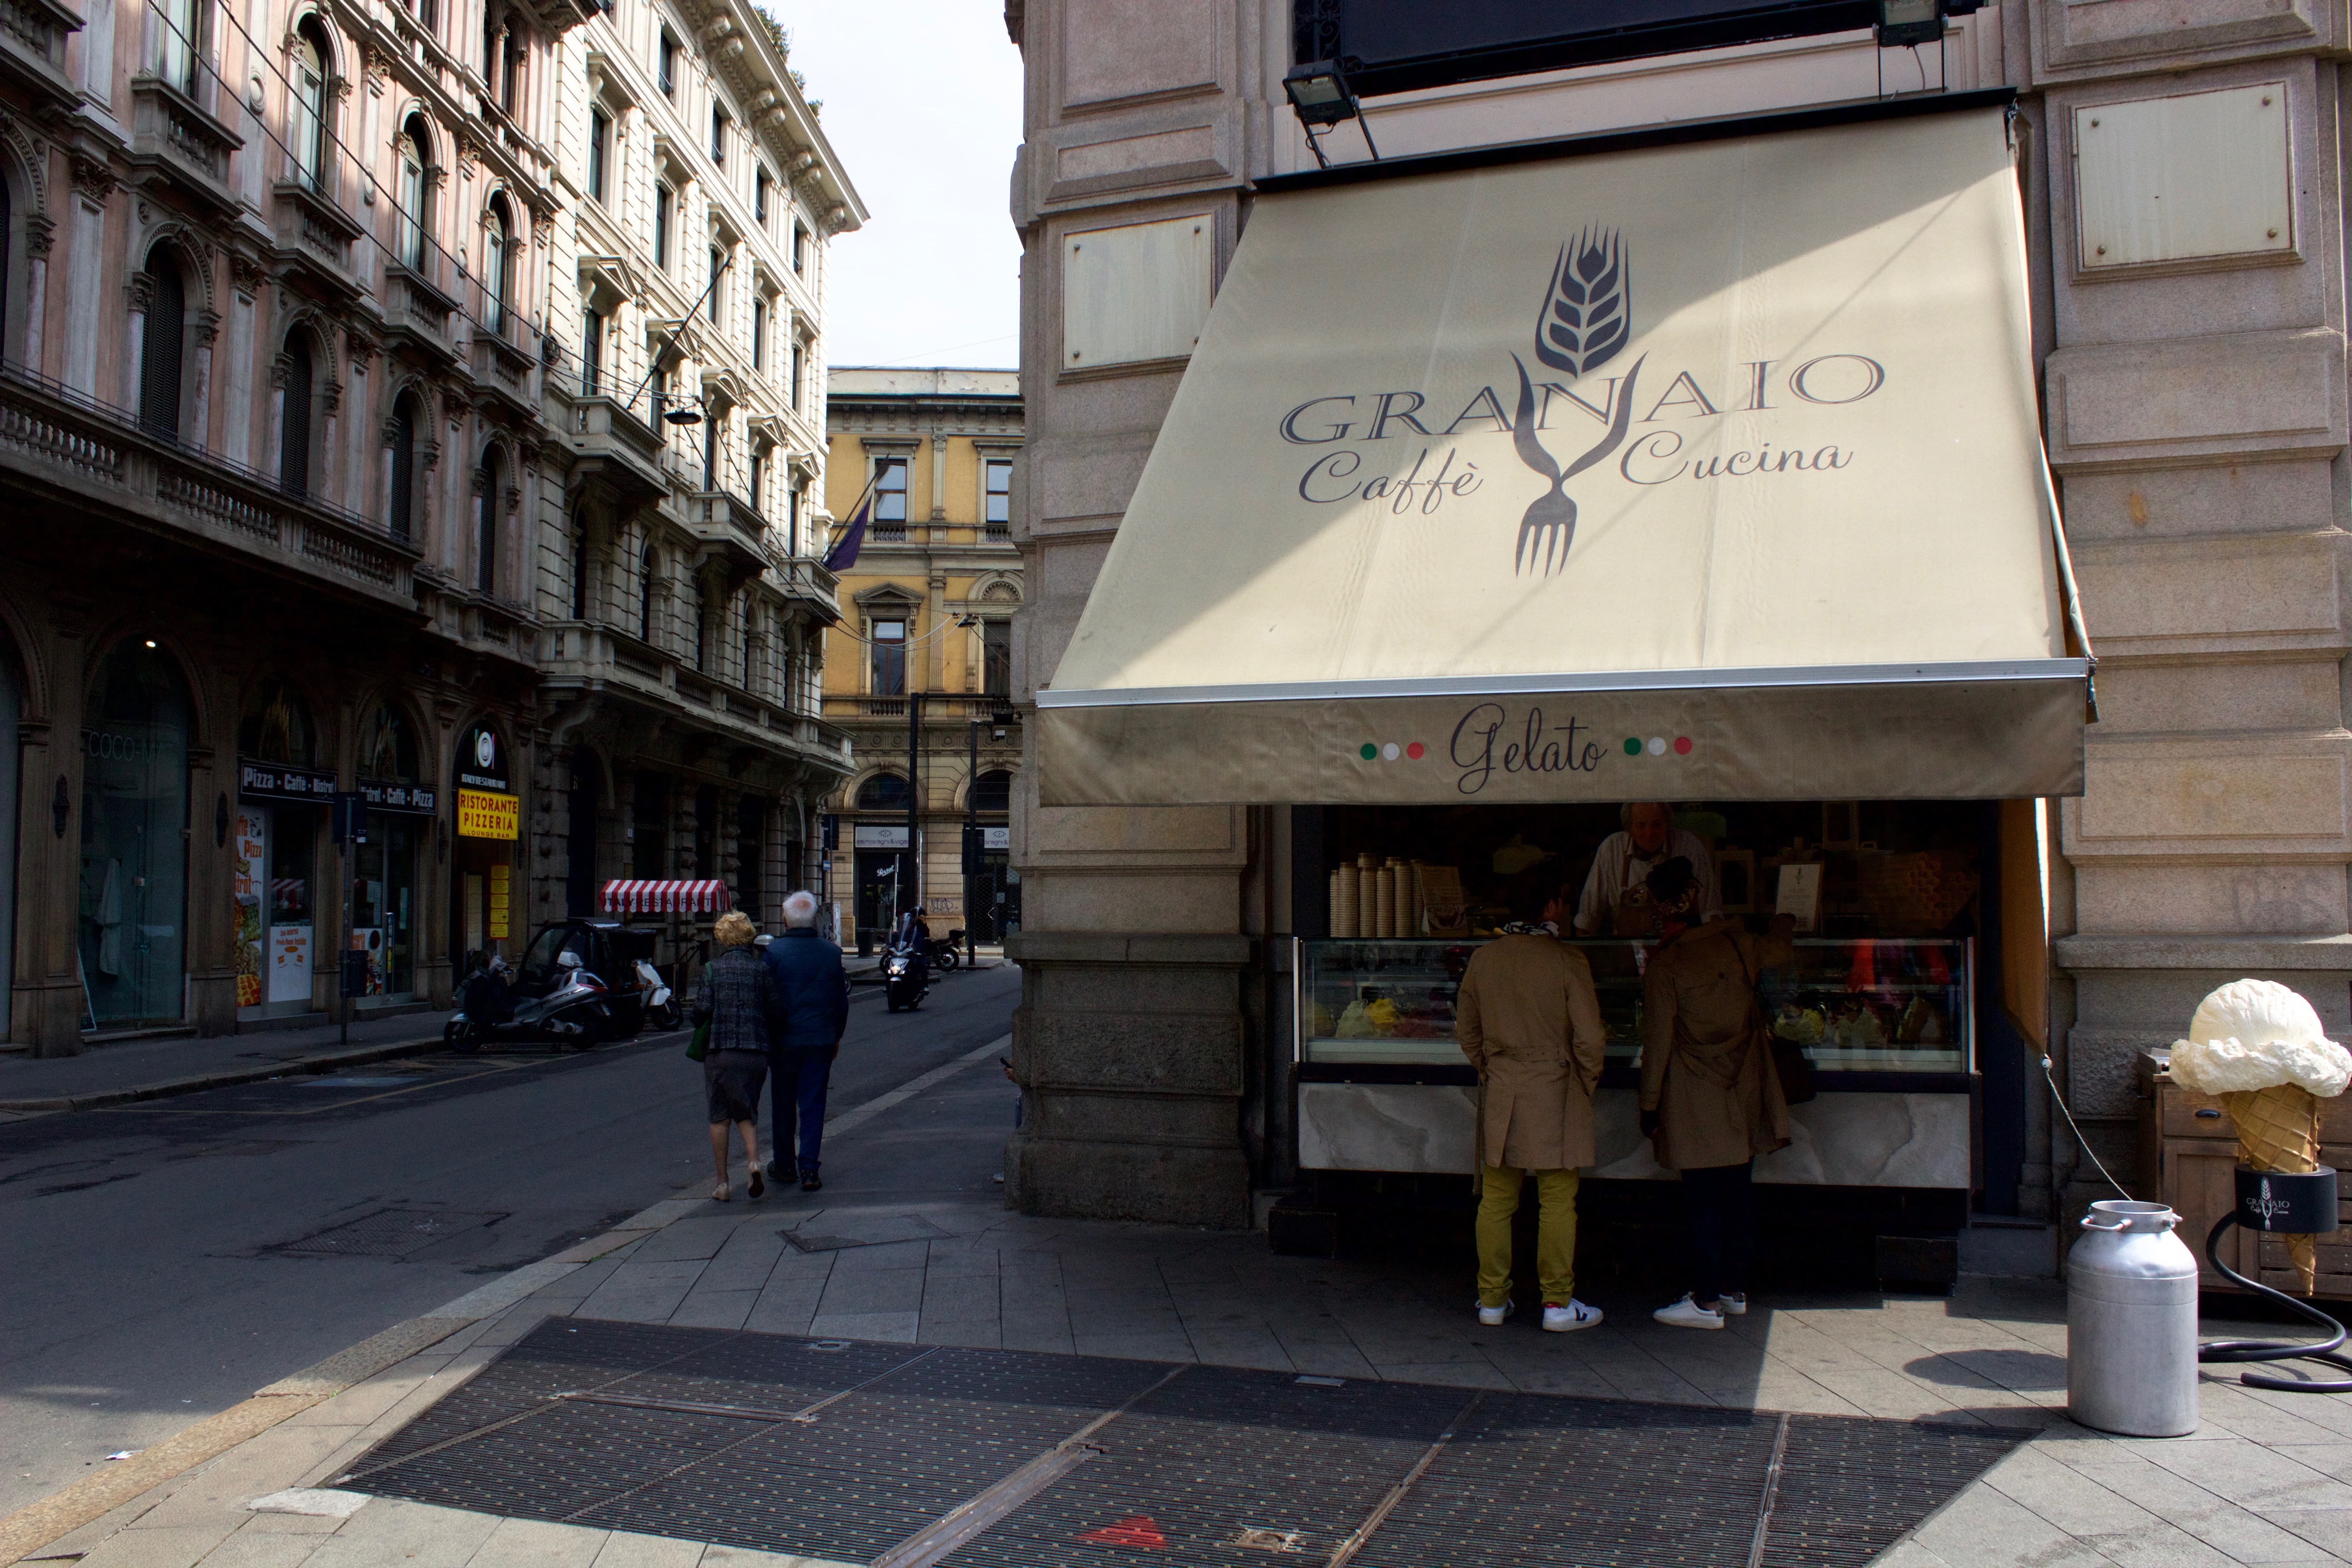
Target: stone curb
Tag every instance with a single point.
(164, 1089)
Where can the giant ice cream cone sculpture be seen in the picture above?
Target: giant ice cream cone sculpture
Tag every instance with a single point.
(2260, 1046)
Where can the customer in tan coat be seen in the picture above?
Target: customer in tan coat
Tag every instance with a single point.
(1711, 1101)
(1530, 1021)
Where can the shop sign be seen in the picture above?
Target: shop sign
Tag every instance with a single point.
(996, 839)
(271, 781)
(871, 836)
(489, 813)
(408, 799)
(482, 760)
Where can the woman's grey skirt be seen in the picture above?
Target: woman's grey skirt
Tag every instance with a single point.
(734, 1080)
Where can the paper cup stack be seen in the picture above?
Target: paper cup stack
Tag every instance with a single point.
(2260, 1046)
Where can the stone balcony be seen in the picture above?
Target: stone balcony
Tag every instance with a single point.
(96, 460)
(416, 315)
(175, 137)
(33, 49)
(315, 236)
(611, 443)
(732, 536)
(502, 366)
(586, 657)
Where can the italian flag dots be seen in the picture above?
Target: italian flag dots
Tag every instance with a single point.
(1377, 751)
(1658, 745)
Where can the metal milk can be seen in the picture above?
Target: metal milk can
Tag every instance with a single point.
(2131, 1324)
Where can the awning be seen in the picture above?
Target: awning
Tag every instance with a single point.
(667, 898)
(1701, 470)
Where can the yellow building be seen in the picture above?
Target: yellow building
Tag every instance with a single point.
(927, 620)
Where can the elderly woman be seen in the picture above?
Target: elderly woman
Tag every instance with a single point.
(734, 996)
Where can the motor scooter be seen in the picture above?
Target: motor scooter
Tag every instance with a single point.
(576, 1013)
(661, 1006)
(906, 980)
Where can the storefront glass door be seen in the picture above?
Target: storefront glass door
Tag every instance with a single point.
(288, 902)
(384, 894)
(134, 859)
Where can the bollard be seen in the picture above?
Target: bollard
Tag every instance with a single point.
(2131, 1324)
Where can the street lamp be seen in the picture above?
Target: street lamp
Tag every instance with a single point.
(1319, 96)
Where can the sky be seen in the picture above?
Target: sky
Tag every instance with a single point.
(922, 105)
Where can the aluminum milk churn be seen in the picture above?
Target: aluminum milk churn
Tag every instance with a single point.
(2131, 1324)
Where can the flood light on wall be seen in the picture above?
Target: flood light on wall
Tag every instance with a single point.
(1320, 96)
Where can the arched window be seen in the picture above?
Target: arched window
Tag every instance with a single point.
(992, 792)
(414, 160)
(401, 505)
(294, 421)
(306, 113)
(159, 366)
(646, 578)
(275, 725)
(580, 564)
(498, 265)
(883, 792)
(388, 747)
(491, 481)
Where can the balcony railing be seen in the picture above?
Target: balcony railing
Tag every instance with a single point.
(583, 651)
(33, 44)
(49, 429)
(939, 535)
(939, 707)
(171, 131)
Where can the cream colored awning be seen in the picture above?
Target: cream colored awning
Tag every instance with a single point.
(1801, 543)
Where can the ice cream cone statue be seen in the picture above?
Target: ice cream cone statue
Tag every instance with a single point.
(2259, 1046)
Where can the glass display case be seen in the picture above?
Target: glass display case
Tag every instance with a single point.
(1854, 1005)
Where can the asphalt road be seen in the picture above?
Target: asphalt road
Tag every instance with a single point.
(156, 1268)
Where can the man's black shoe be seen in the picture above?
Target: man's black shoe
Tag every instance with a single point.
(776, 1172)
(810, 1184)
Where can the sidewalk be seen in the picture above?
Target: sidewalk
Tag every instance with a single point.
(873, 1260)
(180, 1064)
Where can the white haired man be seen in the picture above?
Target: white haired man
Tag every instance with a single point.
(1616, 900)
(812, 1011)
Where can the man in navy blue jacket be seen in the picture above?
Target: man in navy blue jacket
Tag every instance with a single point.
(812, 1010)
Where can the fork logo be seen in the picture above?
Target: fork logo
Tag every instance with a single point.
(1585, 319)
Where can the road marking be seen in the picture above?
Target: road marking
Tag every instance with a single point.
(836, 1125)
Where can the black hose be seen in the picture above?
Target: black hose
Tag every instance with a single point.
(2274, 1350)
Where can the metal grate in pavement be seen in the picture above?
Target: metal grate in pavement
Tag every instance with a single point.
(390, 1233)
(768, 1443)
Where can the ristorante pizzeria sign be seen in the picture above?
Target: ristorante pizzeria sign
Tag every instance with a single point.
(1516, 482)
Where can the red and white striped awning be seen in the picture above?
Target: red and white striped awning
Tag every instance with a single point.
(667, 898)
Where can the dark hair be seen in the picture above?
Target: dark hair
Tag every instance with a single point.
(1671, 882)
(1536, 894)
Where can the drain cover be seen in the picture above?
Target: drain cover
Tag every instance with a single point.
(390, 1233)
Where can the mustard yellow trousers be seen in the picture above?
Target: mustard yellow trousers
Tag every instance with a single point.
(1499, 1200)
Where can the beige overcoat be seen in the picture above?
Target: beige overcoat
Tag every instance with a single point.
(1707, 1059)
(1530, 1021)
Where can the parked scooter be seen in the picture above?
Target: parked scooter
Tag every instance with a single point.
(576, 1013)
(906, 980)
(661, 1006)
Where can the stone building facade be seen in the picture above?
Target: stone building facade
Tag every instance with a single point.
(2196, 419)
(927, 609)
(285, 504)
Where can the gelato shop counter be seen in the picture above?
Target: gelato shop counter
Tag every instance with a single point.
(1887, 1024)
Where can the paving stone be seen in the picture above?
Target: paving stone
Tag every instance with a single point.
(533, 1543)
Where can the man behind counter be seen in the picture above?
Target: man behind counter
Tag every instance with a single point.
(1616, 903)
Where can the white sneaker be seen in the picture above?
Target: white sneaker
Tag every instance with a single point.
(1492, 1315)
(1732, 1303)
(1688, 1314)
(1560, 1320)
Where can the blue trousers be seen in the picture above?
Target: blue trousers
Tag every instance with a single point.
(797, 1080)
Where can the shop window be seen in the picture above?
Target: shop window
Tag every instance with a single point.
(649, 828)
(400, 514)
(133, 848)
(999, 497)
(489, 486)
(883, 792)
(307, 133)
(996, 657)
(889, 495)
(160, 356)
(889, 668)
(600, 137)
(384, 883)
(498, 265)
(992, 792)
(416, 158)
(580, 564)
(299, 368)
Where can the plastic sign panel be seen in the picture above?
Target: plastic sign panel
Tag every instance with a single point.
(489, 813)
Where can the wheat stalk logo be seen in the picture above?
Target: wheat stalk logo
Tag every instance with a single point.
(1585, 319)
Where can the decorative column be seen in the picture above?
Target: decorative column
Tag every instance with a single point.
(246, 278)
(37, 234)
(139, 298)
(274, 447)
(207, 331)
(362, 350)
(86, 263)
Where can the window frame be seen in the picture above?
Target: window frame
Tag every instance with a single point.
(665, 200)
(599, 131)
(719, 121)
(666, 64)
(888, 679)
(990, 525)
(884, 525)
(592, 352)
(414, 196)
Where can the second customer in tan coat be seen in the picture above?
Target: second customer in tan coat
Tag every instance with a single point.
(1529, 1019)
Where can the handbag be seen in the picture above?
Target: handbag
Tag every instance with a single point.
(699, 1046)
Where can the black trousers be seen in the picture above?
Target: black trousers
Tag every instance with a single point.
(1719, 1208)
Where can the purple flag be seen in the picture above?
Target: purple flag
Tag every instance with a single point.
(844, 555)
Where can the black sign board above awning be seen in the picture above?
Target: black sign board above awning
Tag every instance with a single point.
(482, 760)
(275, 781)
(402, 799)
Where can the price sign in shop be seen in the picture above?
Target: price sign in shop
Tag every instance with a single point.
(489, 813)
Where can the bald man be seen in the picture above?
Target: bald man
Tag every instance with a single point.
(1615, 902)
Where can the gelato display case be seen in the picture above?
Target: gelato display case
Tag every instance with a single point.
(1888, 1023)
